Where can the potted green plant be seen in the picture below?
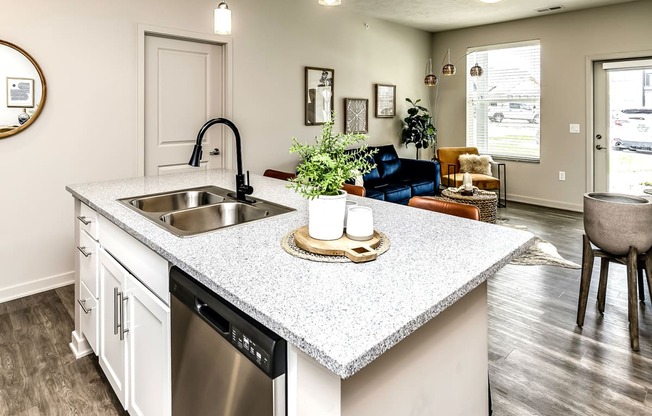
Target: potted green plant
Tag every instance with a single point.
(325, 166)
(418, 128)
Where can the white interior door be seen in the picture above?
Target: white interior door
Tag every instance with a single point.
(622, 141)
(184, 84)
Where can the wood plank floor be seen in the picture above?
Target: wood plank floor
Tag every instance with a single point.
(540, 362)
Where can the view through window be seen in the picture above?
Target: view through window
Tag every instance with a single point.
(502, 110)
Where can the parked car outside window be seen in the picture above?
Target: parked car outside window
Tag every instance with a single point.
(513, 111)
(632, 130)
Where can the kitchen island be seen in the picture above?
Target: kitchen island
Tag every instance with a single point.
(404, 334)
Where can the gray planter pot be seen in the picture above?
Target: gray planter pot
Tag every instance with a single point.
(614, 222)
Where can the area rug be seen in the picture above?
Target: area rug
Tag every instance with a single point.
(543, 253)
(539, 253)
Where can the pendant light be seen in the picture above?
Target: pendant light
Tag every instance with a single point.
(476, 70)
(448, 69)
(330, 3)
(222, 19)
(431, 79)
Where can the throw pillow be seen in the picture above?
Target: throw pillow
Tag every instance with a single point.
(475, 164)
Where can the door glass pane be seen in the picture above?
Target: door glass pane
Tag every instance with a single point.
(630, 130)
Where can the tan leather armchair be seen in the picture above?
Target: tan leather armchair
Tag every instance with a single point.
(451, 176)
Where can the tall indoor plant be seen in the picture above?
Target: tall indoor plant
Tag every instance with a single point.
(418, 127)
(325, 166)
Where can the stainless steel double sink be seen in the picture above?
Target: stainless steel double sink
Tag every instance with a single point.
(188, 212)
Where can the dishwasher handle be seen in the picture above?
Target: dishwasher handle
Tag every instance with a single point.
(211, 316)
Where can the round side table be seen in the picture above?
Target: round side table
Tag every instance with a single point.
(486, 201)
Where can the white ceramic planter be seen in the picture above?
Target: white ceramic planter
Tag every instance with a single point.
(326, 216)
(614, 222)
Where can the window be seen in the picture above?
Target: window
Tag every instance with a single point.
(502, 106)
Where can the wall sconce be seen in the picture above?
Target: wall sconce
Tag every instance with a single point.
(222, 19)
(330, 3)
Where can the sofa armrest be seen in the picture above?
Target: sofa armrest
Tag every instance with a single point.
(423, 169)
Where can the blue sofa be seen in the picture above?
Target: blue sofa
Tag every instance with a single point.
(397, 180)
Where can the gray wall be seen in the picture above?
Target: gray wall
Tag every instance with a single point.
(567, 42)
(88, 128)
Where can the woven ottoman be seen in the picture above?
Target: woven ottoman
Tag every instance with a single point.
(486, 201)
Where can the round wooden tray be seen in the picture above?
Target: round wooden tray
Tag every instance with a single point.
(300, 244)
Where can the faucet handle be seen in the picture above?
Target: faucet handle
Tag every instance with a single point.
(247, 188)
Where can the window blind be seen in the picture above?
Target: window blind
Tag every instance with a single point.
(503, 105)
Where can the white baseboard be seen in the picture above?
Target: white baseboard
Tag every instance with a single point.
(36, 286)
(545, 203)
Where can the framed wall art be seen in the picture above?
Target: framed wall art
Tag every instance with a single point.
(385, 100)
(356, 115)
(319, 95)
(20, 92)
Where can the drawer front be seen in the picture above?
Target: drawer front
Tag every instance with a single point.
(88, 257)
(147, 266)
(88, 221)
(89, 317)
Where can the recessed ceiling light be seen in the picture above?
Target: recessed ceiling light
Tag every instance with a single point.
(490, 1)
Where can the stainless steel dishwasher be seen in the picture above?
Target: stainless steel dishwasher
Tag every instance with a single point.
(224, 363)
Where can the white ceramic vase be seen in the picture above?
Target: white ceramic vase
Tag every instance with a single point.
(326, 216)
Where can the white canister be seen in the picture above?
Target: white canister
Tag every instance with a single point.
(349, 204)
(360, 223)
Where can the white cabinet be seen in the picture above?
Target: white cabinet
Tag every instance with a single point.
(122, 311)
(113, 349)
(149, 352)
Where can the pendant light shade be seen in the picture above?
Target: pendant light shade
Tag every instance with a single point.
(330, 2)
(448, 69)
(222, 19)
(431, 79)
(476, 70)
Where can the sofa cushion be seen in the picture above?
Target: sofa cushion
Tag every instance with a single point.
(387, 160)
(395, 192)
(375, 194)
(422, 187)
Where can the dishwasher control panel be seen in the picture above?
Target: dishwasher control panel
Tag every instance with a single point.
(248, 347)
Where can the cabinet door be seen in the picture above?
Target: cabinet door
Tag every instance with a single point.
(149, 352)
(113, 350)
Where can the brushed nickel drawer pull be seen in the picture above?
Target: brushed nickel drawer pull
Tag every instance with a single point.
(82, 303)
(83, 251)
(84, 220)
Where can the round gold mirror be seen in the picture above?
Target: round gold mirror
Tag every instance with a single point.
(22, 90)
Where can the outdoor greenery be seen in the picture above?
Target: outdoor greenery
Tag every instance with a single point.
(326, 165)
(418, 128)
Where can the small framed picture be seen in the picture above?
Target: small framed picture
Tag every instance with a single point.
(20, 92)
(385, 101)
(356, 116)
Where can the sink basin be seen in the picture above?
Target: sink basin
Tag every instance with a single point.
(175, 201)
(188, 212)
(212, 217)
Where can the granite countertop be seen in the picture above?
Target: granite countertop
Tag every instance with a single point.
(343, 315)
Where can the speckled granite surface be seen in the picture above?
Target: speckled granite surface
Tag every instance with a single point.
(343, 315)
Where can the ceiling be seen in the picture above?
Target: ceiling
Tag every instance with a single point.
(439, 15)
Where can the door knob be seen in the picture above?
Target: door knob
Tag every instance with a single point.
(597, 146)
(215, 152)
